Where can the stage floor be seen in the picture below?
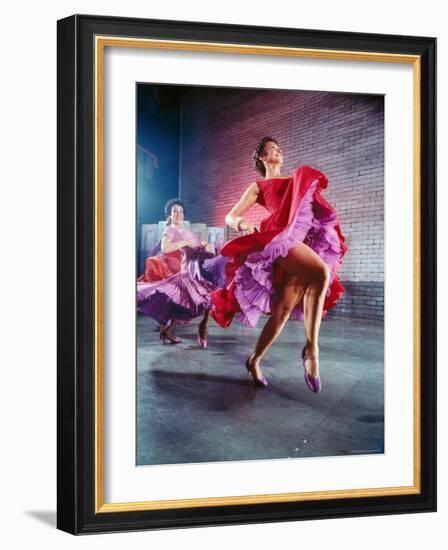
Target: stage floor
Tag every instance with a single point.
(196, 405)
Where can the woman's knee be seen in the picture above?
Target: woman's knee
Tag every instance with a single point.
(322, 274)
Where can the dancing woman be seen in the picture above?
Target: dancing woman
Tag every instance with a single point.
(166, 258)
(185, 294)
(288, 268)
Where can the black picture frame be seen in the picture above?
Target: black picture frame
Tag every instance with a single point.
(77, 495)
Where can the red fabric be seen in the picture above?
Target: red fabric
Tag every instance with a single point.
(161, 267)
(282, 201)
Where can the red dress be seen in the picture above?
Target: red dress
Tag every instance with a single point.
(158, 268)
(298, 213)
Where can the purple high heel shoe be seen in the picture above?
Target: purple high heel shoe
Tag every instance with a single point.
(313, 382)
(201, 340)
(259, 382)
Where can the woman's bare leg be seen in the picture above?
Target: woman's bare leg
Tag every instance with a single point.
(313, 302)
(312, 271)
(203, 325)
(308, 278)
(290, 295)
(167, 333)
(170, 326)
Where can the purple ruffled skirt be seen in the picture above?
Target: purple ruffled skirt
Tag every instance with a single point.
(184, 295)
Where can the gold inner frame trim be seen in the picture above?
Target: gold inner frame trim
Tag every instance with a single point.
(101, 42)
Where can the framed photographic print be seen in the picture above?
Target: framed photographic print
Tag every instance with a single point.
(246, 274)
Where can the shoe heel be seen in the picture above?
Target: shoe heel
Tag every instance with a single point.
(202, 342)
(170, 338)
(259, 382)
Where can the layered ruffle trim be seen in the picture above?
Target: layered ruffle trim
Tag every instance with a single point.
(186, 294)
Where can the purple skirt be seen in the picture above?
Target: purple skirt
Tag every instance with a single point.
(184, 295)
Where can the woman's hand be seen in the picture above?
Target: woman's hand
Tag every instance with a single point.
(168, 246)
(207, 246)
(246, 227)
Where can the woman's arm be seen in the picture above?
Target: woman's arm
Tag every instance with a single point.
(168, 246)
(248, 199)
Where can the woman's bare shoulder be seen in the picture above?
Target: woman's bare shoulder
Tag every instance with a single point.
(251, 189)
(168, 231)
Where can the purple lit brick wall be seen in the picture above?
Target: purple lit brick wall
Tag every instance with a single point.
(340, 134)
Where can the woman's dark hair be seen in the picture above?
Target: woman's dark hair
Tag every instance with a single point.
(169, 205)
(259, 166)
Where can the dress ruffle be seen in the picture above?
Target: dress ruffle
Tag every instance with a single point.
(186, 294)
(214, 270)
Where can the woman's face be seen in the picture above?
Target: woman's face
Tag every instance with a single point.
(177, 214)
(272, 153)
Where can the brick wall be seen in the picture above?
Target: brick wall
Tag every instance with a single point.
(340, 134)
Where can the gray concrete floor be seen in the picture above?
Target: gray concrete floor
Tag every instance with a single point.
(197, 405)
